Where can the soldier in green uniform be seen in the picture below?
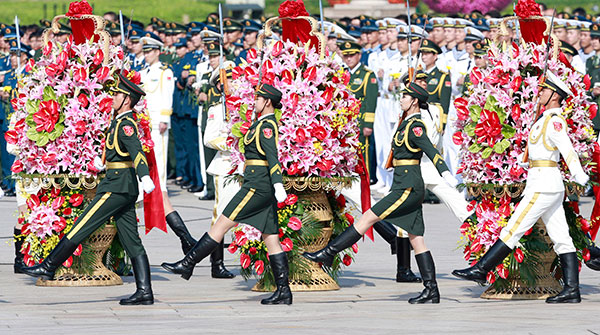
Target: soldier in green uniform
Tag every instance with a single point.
(593, 70)
(115, 197)
(403, 206)
(439, 85)
(256, 202)
(363, 83)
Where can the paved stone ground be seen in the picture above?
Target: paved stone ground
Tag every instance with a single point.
(369, 301)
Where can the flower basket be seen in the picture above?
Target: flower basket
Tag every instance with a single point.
(97, 243)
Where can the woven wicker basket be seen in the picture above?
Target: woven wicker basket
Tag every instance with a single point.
(320, 281)
(546, 283)
(99, 242)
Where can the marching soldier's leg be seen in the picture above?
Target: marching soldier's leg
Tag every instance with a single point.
(102, 207)
(529, 210)
(453, 199)
(178, 227)
(558, 231)
(403, 272)
(279, 265)
(130, 238)
(209, 154)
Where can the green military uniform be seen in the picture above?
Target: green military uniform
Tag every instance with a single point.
(118, 191)
(592, 67)
(439, 85)
(255, 203)
(363, 84)
(403, 206)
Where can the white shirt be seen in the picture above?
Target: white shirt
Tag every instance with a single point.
(158, 83)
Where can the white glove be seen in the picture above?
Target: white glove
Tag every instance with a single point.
(522, 164)
(280, 193)
(1, 193)
(582, 179)
(449, 178)
(147, 184)
(98, 164)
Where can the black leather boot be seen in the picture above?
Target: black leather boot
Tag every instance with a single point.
(283, 294)
(487, 263)
(427, 269)
(217, 267)
(404, 274)
(143, 294)
(389, 232)
(326, 255)
(63, 250)
(185, 267)
(570, 291)
(177, 225)
(594, 262)
(19, 263)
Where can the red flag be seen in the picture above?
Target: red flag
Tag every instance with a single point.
(154, 210)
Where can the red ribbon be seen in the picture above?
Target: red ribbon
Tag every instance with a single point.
(293, 28)
(154, 210)
(83, 30)
(595, 218)
(365, 192)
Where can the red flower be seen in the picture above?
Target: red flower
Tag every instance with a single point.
(99, 57)
(11, 136)
(120, 54)
(287, 244)
(515, 112)
(291, 199)
(292, 9)
(294, 100)
(252, 251)
(319, 132)
(232, 248)
(287, 77)
(325, 164)
(83, 100)
(33, 201)
(17, 166)
(245, 126)
(488, 127)
(251, 55)
(293, 169)
(57, 202)
(585, 254)
(593, 110)
(310, 74)
(61, 61)
(295, 223)
(491, 278)
(55, 192)
(80, 74)
(475, 76)
(585, 225)
(502, 271)
(300, 135)
(78, 251)
(245, 260)
(519, 255)
(106, 104)
(457, 138)
(355, 248)
(259, 267)
(341, 201)
(277, 49)
(67, 211)
(47, 116)
(527, 8)
(30, 64)
(47, 49)
(461, 108)
(587, 82)
(281, 233)
(102, 74)
(527, 233)
(76, 200)
(349, 217)
(68, 262)
(347, 260)
(280, 205)
(78, 8)
(516, 83)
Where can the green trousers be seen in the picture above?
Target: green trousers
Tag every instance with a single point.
(121, 206)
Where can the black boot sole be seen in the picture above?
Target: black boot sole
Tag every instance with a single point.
(565, 301)
(278, 302)
(184, 275)
(404, 280)
(222, 275)
(431, 300)
(143, 302)
(327, 262)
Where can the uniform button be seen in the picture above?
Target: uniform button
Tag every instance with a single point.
(116, 172)
(405, 171)
(251, 170)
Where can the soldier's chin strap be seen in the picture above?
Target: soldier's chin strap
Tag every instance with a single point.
(549, 98)
(262, 109)
(122, 103)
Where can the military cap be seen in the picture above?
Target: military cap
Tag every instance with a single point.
(495, 23)
(251, 25)
(181, 42)
(473, 34)
(555, 84)
(216, 74)
(126, 86)
(269, 92)
(429, 46)
(381, 24)
(560, 23)
(568, 48)
(402, 32)
(136, 34)
(211, 21)
(416, 91)
(44, 23)
(9, 32)
(151, 42)
(14, 48)
(195, 27)
(565, 15)
(210, 36)
(113, 28)
(417, 33)
(462, 23)
(595, 30)
(393, 23)
(572, 25)
(481, 24)
(213, 48)
(230, 25)
(349, 48)
(448, 22)
(354, 31)
(420, 74)
(177, 28)
(585, 25)
(480, 48)
(368, 25)
(437, 22)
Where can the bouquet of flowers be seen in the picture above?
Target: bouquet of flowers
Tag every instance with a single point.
(296, 228)
(318, 135)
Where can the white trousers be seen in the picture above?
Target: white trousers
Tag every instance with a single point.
(453, 199)
(451, 150)
(383, 132)
(352, 195)
(225, 190)
(161, 152)
(548, 207)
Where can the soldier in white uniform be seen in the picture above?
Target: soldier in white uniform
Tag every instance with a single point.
(543, 196)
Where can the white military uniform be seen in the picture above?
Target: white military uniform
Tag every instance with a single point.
(201, 69)
(431, 178)
(159, 83)
(544, 194)
(215, 137)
